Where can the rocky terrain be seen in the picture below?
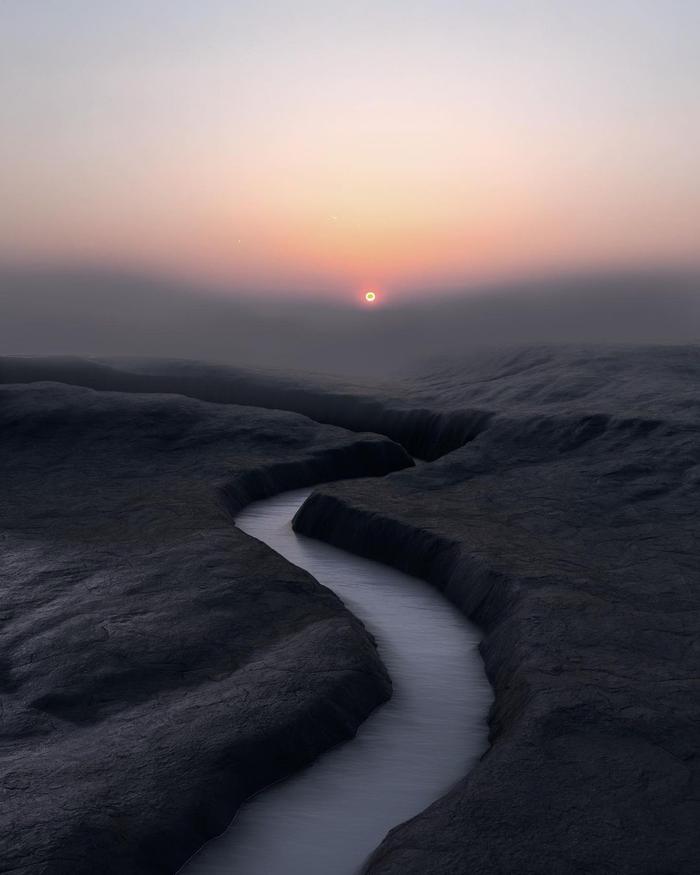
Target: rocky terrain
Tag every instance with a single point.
(157, 666)
(389, 408)
(567, 529)
(558, 508)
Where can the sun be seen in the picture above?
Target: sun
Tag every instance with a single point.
(370, 297)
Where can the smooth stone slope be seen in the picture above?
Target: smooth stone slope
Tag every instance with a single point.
(383, 407)
(431, 411)
(157, 666)
(568, 530)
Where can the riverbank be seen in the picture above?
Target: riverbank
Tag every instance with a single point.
(155, 661)
(330, 817)
(559, 511)
(571, 540)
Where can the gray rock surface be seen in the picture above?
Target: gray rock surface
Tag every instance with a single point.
(568, 529)
(157, 666)
(393, 409)
(433, 410)
(559, 511)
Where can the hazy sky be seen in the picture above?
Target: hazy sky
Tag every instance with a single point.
(333, 145)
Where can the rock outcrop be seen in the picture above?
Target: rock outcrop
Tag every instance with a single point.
(567, 529)
(362, 406)
(158, 666)
(559, 510)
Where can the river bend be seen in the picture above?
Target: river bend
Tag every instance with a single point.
(328, 818)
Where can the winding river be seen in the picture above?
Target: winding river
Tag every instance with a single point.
(327, 819)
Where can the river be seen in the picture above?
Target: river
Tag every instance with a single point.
(327, 819)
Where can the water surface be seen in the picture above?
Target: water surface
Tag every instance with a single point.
(328, 818)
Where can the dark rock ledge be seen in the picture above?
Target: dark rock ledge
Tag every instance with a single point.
(568, 529)
(424, 431)
(572, 541)
(158, 666)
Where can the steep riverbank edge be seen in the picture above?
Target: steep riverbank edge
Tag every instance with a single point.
(588, 769)
(167, 666)
(569, 522)
(482, 595)
(338, 711)
(425, 432)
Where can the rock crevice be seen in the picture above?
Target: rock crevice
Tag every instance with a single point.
(571, 542)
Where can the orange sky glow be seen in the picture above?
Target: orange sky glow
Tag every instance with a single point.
(390, 146)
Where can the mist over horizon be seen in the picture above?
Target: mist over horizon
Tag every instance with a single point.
(227, 181)
(99, 312)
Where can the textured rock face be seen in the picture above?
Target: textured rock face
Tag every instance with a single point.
(431, 412)
(395, 410)
(156, 664)
(568, 530)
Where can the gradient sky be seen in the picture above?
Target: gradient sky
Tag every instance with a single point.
(328, 146)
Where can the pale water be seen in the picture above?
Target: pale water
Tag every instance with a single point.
(328, 818)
